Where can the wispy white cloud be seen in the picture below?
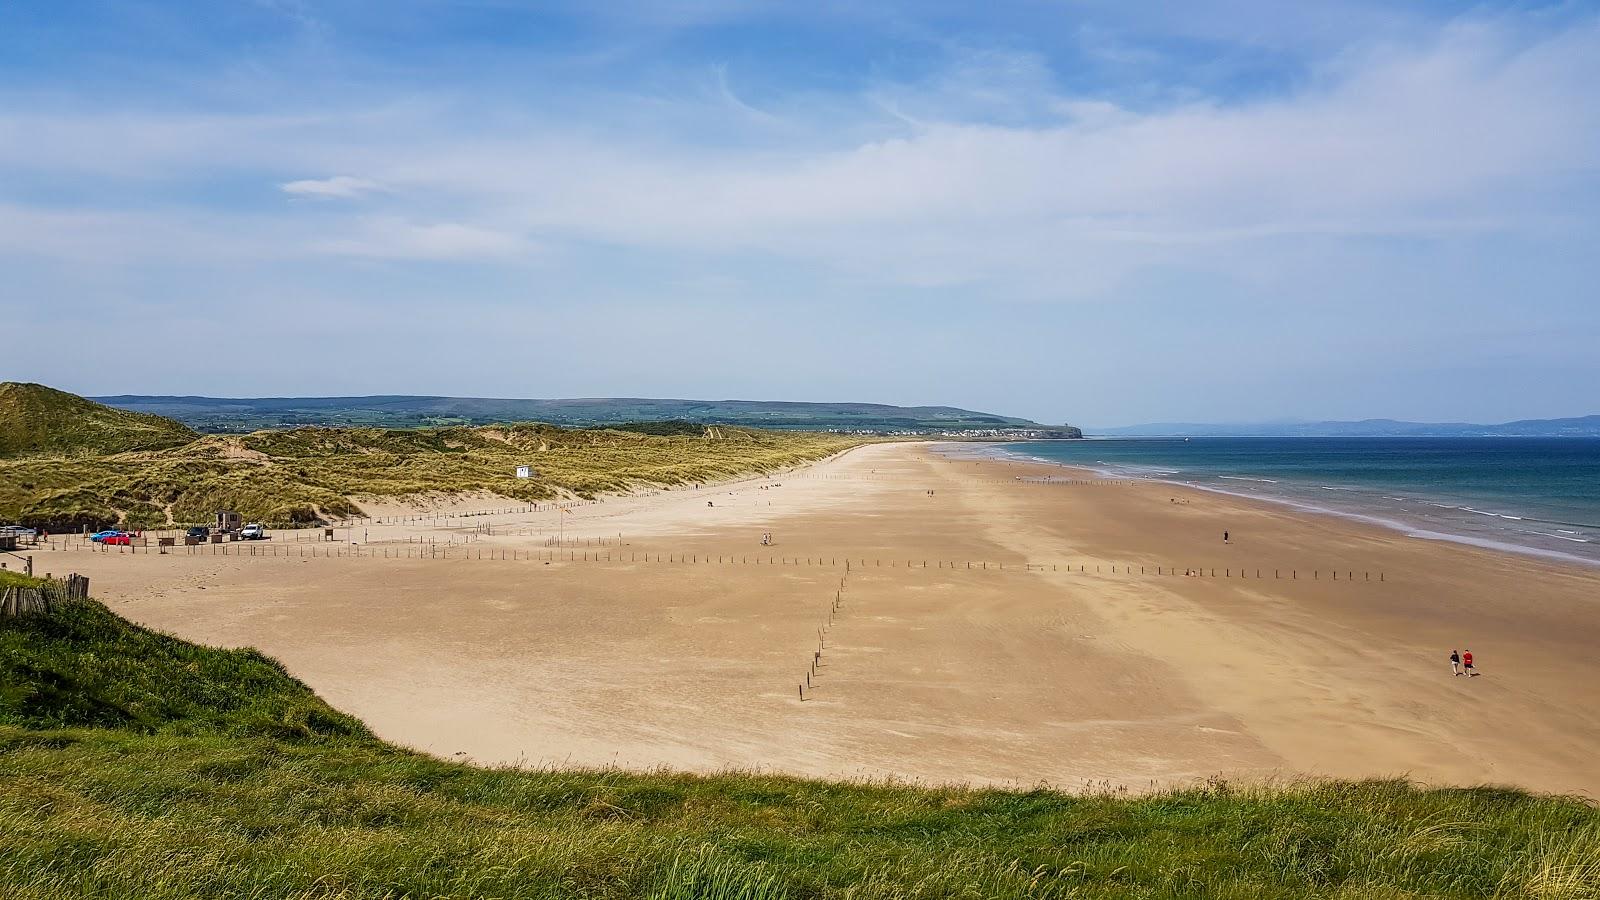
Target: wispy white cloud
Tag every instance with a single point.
(392, 238)
(299, 12)
(725, 91)
(339, 186)
(108, 238)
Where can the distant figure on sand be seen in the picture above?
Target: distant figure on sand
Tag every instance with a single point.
(1455, 663)
(1224, 537)
(1466, 663)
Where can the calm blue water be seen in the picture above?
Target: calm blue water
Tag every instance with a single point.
(1538, 494)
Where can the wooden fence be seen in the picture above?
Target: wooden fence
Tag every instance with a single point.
(16, 602)
(435, 551)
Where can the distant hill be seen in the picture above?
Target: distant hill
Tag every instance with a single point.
(217, 414)
(38, 419)
(1582, 426)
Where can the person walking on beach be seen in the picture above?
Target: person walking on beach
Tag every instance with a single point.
(1224, 537)
(1466, 663)
(1455, 663)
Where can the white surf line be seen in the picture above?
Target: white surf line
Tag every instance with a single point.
(1561, 537)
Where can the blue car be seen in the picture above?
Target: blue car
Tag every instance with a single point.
(99, 536)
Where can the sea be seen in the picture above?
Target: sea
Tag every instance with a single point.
(1539, 496)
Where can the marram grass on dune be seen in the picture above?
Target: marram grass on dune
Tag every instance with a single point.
(39, 419)
(282, 477)
(134, 765)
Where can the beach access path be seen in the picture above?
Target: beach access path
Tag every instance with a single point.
(979, 620)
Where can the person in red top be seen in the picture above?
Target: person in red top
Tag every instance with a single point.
(1466, 663)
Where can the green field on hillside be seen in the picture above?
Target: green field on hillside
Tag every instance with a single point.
(134, 765)
(304, 474)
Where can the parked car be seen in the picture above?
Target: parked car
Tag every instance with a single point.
(101, 536)
(200, 533)
(122, 537)
(255, 531)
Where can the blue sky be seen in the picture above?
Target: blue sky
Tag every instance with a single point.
(1082, 211)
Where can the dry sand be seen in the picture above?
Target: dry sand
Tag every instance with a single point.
(933, 671)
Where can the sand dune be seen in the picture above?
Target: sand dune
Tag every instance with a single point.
(940, 664)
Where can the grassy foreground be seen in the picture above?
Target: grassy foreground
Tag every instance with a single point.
(134, 765)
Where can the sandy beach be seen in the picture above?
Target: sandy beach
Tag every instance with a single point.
(984, 621)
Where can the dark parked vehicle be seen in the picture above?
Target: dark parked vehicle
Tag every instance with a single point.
(200, 533)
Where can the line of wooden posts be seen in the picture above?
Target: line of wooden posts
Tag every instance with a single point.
(459, 552)
(822, 635)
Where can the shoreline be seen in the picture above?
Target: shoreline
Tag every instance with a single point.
(1399, 526)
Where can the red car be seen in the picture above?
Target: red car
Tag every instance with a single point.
(122, 537)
